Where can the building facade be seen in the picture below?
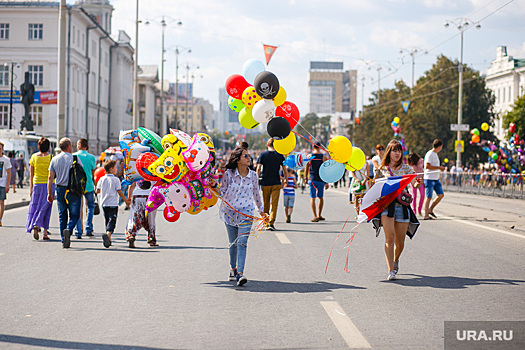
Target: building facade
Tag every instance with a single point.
(331, 89)
(506, 79)
(99, 69)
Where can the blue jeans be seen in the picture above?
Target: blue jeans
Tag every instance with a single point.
(90, 203)
(431, 186)
(238, 237)
(72, 205)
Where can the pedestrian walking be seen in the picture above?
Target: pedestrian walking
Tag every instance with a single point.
(240, 189)
(317, 185)
(39, 212)
(245, 145)
(89, 163)
(5, 180)
(138, 193)
(289, 194)
(397, 216)
(268, 166)
(21, 168)
(14, 165)
(68, 203)
(431, 179)
(109, 188)
(417, 164)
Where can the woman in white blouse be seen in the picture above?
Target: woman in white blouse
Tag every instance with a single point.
(240, 189)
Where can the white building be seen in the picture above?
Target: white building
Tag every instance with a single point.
(149, 98)
(99, 73)
(506, 79)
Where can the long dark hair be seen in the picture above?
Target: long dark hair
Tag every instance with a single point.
(235, 156)
(413, 158)
(392, 145)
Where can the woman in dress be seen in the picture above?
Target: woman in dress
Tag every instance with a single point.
(39, 208)
(396, 218)
(417, 164)
(240, 189)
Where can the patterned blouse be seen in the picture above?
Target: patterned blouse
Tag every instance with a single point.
(404, 170)
(242, 193)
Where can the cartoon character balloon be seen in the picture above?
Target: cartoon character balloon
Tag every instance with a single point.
(197, 155)
(182, 136)
(132, 151)
(177, 197)
(171, 165)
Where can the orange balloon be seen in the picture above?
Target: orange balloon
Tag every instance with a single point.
(475, 138)
(99, 173)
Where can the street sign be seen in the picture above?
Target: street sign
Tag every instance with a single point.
(459, 127)
(459, 146)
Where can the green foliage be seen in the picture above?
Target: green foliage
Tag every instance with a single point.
(434, 106)
(319, 128)
(516, 116)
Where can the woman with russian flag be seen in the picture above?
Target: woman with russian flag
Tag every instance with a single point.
(395, 218)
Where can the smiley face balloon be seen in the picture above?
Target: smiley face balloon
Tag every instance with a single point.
(171, 165)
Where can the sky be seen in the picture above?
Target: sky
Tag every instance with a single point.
(366, 35)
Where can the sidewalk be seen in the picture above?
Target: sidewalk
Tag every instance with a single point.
(19, 199)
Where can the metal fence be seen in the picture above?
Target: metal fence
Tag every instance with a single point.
(486, 183)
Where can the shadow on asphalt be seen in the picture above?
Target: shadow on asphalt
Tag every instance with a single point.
(60, 344)
(284, 287)
(450, 282)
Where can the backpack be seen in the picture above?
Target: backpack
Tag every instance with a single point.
(77, 178)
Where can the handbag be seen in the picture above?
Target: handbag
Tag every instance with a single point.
(96, 211)
(403, 198)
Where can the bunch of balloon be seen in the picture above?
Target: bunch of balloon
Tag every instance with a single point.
(180, 168)
(259, 98)
(398, 135)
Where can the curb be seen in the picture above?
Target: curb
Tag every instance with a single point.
(16, 205)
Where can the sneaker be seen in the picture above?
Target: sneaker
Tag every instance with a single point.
(391, 276)
(272, 228)
(233, 275)
(131, 243)
(288, 219)
(106, 241)
(241, 280)
(67, 239)
(90, 234)
(396, 267)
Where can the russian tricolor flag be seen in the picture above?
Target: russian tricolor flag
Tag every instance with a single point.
(384, 191)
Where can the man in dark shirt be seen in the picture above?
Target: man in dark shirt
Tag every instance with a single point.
(270, 162)
(317, 185)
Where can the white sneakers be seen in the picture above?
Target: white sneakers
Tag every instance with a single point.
(391, 276)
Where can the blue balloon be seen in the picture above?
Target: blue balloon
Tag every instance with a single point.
(331, 171)
(251, 68)
(394, 123)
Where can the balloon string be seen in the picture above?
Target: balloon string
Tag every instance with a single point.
(329, 256)
(348, 251)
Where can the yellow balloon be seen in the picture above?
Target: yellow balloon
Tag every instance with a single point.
(246, 118)
(396, 119)
(285, 145)
(250, 97)
(340, 149)
(280, 98)
(357, 160)
(484, 126)
(446, 160)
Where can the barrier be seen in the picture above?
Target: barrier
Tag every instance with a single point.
(484, 182)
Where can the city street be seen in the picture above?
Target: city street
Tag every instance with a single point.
(465, 266)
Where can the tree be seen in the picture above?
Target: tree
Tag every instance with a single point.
(516, 116)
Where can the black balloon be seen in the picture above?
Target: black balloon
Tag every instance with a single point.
(278, 128)
(266, 85)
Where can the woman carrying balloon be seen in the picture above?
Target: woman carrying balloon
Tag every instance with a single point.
(396, 217)
(240, 194)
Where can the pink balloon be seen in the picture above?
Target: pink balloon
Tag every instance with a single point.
(289, 111)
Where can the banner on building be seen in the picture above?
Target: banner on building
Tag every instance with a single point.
(269, 50)
(41, 97)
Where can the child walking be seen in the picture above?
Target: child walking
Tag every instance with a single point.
(289, 194)
(138, 194)
(109, 188)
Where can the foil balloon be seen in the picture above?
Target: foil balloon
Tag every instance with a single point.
(170, 166)
(131, 153)
(177, 197)
(155, 199)
(142, 164)
(296, 160)
(169, 140)
(197, 154)
(182, 136)
(152, 138)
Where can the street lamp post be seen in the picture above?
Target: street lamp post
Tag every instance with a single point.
(462, 24)
(136, 72)
(177, 52)
(412, 52)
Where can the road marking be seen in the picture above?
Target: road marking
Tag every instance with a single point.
(282, 238)
(2, 254)
(345, 326)
(484, 227)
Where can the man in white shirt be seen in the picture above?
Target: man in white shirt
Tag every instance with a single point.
(431, 179)
(5, 179)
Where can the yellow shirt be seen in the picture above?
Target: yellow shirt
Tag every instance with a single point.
(41, 165)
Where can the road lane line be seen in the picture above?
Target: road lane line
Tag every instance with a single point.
(2, 253)
(345, 326)
(484, 227)
(282, 238)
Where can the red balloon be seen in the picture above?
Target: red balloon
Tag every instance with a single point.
(99, 173)
(235, 85)
(512, 128)
(171, 216)
(142, 164)
(288, 111)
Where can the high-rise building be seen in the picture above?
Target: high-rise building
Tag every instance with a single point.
(331, 88)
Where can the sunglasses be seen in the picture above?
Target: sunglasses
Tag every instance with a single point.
(380, 149)
(246, 156)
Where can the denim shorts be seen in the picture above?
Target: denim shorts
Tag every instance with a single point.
(398, 214)
(3, 196)
(288, 201)
(316, 189)
(431, 186)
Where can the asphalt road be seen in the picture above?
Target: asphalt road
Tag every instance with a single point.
(467, 265)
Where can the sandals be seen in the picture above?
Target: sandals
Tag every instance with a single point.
(429, 218)
(35, 234)
(321, 218)
(432, 214)
(315, 219)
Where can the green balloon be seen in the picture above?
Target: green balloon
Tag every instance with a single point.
(495, 156)
(246, 119)
(235, 105)
(475, 131)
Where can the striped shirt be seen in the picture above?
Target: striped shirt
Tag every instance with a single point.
(289, 188)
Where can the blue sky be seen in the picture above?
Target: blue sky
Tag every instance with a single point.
(365, 35)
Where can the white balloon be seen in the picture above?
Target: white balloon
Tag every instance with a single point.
(263, 110)
(251, 68)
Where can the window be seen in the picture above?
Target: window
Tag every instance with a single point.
(36, 31)
(4, 116)
(36, 75)
(93, 48)
(36, 115)
(73, 35)
(4, 31)
(4, 75)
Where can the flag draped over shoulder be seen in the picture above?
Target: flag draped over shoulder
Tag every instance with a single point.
(381, 195)
(268, 52)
